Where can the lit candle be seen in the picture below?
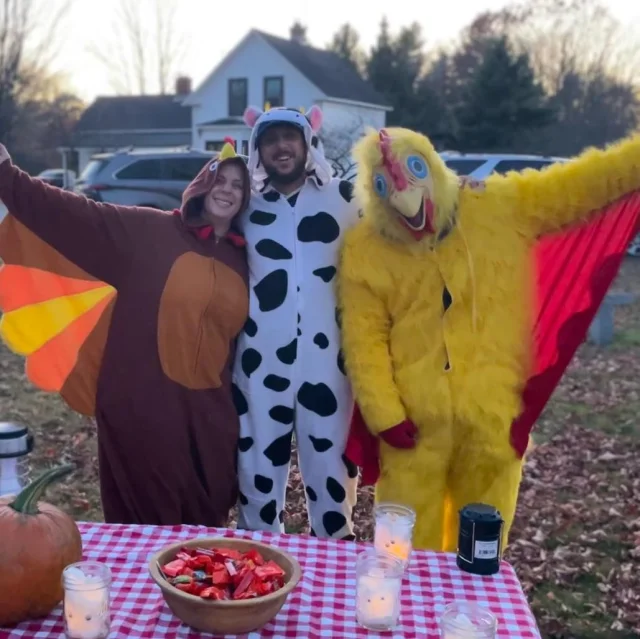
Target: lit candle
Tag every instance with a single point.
(463, 620)
(378, 584)
(394, 530)
(86, 600)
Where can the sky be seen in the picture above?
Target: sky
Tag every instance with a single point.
(211, 31)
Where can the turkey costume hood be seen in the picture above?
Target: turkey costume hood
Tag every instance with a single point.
(130, 315)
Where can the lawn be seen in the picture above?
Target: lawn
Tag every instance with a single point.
(576, 541)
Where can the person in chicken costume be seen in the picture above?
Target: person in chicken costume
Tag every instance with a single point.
(461, 307)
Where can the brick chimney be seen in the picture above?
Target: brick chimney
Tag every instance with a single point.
(298, 33)
(183, 85)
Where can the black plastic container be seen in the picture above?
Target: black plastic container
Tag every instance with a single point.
(480, 539)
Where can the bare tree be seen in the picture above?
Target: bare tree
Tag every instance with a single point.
(564, 38)
(337, 143)
(29, 35)
(144, 48)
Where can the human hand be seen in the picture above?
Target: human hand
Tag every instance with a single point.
(404, 435)
(475, 185)
(4, 154)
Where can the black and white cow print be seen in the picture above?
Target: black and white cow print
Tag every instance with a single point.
(289, 375)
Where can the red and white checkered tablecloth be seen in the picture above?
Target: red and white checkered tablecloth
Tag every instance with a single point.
(322, 605)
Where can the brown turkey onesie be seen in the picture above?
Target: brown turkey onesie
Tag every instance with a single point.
(131, 315)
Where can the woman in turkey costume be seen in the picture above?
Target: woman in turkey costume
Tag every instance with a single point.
(130, 314)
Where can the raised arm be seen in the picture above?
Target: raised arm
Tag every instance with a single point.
(365, 341)
(97, 237)
(566, 193)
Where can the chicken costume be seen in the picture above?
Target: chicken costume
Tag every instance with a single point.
(130, 315)
(461, 306)
(289, 374)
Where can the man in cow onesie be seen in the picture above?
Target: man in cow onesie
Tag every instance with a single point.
(289, 374)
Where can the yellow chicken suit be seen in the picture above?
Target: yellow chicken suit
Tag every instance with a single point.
(435, 289)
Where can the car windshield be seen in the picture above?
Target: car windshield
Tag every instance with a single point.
(91, 170)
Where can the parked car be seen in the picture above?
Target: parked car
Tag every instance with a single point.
(480, 165)
(141, 177)
(57, 177)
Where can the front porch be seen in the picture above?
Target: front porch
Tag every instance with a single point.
(209, 136)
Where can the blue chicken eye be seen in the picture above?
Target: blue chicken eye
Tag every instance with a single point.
(380, 185)
(417, 166)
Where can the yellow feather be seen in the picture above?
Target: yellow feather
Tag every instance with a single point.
(27, 329)
(227, 152)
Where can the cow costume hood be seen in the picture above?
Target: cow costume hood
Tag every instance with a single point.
(309, 123)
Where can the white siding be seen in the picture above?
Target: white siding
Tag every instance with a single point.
(254, 61)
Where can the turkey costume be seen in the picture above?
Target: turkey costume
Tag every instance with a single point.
(462, 306)
(289, 375)
(130, 315)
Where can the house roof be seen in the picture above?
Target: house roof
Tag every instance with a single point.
(333, 75)
(137, 112)
(120, 139)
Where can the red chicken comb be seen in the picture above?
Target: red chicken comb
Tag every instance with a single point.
(230, 140)
(391, 163)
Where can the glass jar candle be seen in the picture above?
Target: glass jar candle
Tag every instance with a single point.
(394, 530)
(86, 600)
(378, 583)
(462, 620)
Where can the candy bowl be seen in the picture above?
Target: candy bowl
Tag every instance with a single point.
(223, 585)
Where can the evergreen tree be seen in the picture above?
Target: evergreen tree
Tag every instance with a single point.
(501, 102)
(346, 43)
(381, 62)
(394, 68)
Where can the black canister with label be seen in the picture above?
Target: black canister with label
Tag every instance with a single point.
(480, 539)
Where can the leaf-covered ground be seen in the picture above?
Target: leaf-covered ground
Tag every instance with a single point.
(576, 541)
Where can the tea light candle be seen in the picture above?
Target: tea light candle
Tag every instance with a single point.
(378, 583)
(462, 620)
(86, 600)
(394, 530)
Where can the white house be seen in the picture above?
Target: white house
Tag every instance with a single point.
(264, 69)
(260, 69)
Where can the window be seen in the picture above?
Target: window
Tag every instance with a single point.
(214, 145)
(245, 147)
(464, 167)
(237, 96)
(183, 169)
(274, 91)
(142, 170)
(518, 165)
(91, 170)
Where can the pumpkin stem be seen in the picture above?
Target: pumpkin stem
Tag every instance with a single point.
(26, 502)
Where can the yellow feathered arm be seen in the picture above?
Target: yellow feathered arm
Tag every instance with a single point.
(565, 193)
(365, 337)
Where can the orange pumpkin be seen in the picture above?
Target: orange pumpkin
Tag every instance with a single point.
(37, 541)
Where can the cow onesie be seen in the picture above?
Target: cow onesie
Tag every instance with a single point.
(289, 374)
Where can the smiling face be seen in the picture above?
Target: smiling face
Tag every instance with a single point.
(225, 197)
(283, 153)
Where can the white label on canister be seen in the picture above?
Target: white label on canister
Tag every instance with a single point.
(486, 549)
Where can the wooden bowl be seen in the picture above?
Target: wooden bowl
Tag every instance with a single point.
(222, 617)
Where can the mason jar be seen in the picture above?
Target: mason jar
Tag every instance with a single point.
(465, 620)
(378, 589)
(393, 532)
(87, 601)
